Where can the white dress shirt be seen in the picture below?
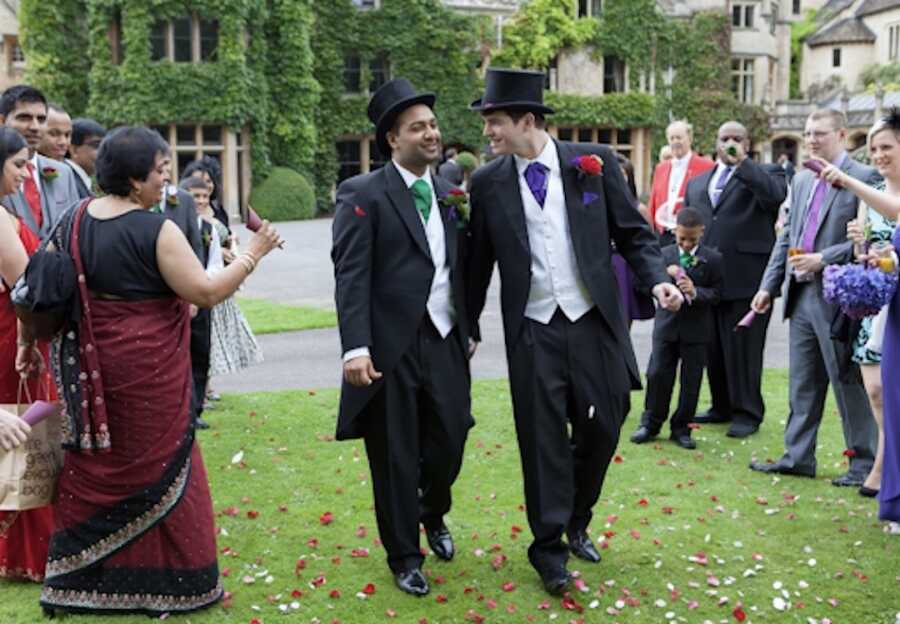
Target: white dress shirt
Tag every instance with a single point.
(440, 305)
(555, 278)
(720, 166)
(676, 177)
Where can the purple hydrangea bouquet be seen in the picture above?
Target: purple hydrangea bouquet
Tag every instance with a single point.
(858, 289)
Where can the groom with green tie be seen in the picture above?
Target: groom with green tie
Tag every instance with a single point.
(404, 330)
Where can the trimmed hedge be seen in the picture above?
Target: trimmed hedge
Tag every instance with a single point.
(284, 196)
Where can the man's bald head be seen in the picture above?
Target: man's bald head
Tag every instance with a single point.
(732, 143)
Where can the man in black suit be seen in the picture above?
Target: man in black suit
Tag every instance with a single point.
(697, 271)
(548, 221)
(404, 330)
(739, 200)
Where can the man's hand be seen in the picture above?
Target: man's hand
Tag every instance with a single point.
(686, 285)
(192, 310)
(761, 302)
(669, 296)
(473, 347)
(360, 371)
(673, 270)
(807, 262)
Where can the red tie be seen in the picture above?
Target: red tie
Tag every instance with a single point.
(33, 196)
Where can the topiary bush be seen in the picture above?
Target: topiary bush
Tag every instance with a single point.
(467, 161)
(284, 196)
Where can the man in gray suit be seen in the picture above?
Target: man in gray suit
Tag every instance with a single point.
(814, 237)
(49, 190)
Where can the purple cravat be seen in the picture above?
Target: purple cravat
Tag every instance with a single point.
(536, 178)
(808, 242)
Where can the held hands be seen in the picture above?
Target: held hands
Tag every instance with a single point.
(761, 302)
(669, 296)
(13, 430)
(360, 371)
(807, 263)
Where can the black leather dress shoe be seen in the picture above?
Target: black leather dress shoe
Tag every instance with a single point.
(199, 423)
(642, 435)
(684, 440)
(780, 467)
(412, 582)
(556, 581)
(441, 542)
(741, 431)
(582, 547)
(849, 480)
(711, 417)
(867, 492)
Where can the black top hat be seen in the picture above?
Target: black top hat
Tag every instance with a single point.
(512, 88)
(388, 102)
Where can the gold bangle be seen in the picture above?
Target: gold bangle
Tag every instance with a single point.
(251, 260)
(22, 343)
(247, 263)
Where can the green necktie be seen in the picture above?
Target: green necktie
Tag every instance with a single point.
(422, 196)
(685, 259)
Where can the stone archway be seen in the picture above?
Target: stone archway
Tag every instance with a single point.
(786, 144)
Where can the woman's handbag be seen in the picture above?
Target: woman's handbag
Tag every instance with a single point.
(29, 472)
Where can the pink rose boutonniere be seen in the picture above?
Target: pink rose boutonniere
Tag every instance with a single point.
(49, 173)
(589, 164)
(457, 203)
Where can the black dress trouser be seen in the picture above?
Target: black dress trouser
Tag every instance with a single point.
(735, 363)
(201, 335)
(563, 376)
(661, 381)
(418, 423)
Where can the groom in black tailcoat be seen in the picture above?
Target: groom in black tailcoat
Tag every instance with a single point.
(404, 330)
(548, 221)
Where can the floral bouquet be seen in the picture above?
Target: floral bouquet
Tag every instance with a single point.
(859, 290)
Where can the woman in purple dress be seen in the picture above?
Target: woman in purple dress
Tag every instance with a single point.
(637, 304)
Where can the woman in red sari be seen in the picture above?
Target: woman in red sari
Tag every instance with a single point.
(134, 519)
(23, 535)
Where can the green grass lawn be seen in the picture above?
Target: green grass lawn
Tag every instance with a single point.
(266, 317)
(689, 536)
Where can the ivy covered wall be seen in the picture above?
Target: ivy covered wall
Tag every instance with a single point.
(435, 48)
(280, 68)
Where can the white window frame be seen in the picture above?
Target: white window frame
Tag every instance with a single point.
(893, 41)
(746, 76)
(589, 9)
(745, 9)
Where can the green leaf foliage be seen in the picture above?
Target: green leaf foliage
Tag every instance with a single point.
(435, 48)
(284, 196)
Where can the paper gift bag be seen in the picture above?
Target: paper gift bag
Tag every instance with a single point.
(28, 473)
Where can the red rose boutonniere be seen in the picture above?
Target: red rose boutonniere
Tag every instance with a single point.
(457, 203)
(589, 164)
(172, 199)
(49, 173)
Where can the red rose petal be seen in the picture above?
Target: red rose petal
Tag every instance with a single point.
(369, 589)
(326, 518)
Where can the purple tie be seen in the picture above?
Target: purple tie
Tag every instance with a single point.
(808, 242)
(536, 178)
(720, 184)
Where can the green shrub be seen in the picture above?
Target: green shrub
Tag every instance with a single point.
(284, 196)
(467, 161)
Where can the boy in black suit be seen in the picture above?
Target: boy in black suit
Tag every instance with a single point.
(697, 271)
